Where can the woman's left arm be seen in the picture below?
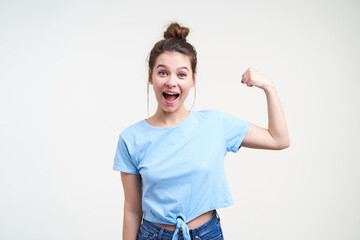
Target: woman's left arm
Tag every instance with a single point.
(276, 137)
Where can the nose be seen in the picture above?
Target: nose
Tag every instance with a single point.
(170, 82)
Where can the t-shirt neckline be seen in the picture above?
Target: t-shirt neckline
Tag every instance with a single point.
(172, 127)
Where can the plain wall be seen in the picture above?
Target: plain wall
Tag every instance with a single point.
(73, 76)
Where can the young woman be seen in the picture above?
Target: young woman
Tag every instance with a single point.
(172, 164)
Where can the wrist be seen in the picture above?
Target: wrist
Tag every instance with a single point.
(269, 89)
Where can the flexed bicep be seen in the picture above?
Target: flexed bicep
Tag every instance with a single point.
(258, 137)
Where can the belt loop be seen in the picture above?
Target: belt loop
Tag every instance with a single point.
(217, 215)
(160, 234)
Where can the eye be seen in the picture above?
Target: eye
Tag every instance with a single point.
(182, 75)
(162, 73)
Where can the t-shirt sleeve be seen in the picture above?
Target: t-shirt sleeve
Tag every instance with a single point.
(122, 160)
(235, 130)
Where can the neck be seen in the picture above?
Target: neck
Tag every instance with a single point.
(168, 119)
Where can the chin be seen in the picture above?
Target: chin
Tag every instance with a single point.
(169, 109)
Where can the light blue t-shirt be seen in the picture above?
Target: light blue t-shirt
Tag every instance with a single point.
(182, 167)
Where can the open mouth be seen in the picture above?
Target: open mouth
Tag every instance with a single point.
(170, 96)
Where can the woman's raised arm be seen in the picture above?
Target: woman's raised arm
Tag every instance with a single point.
(276, 137)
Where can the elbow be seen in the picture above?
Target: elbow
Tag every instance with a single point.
(283, 144)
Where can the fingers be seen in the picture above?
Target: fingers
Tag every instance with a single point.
(252, 77)
(246, 78)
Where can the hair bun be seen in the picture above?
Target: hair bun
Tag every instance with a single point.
(176, 31)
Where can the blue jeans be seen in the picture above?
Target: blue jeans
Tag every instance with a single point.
(211, 230)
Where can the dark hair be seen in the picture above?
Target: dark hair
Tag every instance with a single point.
(174, 41)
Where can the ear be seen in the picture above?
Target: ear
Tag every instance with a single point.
(150, 78)
(194, 78)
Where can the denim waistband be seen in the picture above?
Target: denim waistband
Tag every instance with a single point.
(193, 232)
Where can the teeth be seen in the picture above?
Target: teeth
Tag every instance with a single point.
(171, 93)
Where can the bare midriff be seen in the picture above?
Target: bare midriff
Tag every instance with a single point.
(197, 222)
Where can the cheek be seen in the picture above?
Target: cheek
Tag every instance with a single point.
(157, 86)
(157, 91)
(185, 88)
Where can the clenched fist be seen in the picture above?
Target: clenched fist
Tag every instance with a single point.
(252, 77)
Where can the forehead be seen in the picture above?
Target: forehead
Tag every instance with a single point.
(173, 60)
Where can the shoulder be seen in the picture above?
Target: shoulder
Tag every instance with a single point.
(222, 119)
(133, 130)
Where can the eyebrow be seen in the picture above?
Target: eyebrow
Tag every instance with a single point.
(164, 66)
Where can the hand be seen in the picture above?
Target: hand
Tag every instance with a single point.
(252, 77)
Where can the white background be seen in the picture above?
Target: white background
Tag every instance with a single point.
(73, 76)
